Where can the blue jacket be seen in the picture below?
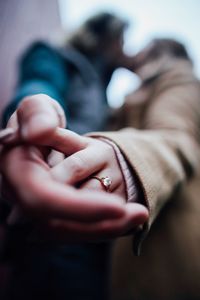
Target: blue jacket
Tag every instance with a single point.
(70, 78)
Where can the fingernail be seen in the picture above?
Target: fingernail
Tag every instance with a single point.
(37, 126)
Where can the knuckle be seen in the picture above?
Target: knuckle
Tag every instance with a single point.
(27, 101)
(77, 166)
(109, 152)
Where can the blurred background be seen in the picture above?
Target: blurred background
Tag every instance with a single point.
(179, 19)
(23, 21)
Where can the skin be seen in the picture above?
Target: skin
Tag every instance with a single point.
(48, 196)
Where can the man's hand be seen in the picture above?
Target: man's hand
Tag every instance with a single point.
(35, 119)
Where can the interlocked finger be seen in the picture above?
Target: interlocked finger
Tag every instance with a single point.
(135, 215)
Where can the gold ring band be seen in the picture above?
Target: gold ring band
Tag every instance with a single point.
(105, 182)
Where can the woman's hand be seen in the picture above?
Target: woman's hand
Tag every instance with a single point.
(88, 158)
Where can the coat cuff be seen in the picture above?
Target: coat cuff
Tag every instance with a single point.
(130, 185)
(134, 187)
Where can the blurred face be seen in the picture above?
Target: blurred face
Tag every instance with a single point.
(151, 61)
(146, 55)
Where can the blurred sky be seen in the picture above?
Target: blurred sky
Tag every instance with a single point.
(148, 18)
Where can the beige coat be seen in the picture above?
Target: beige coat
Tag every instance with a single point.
(162, 144)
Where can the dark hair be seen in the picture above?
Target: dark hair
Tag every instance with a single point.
(106, 25)
(102, 27)
(170, 46)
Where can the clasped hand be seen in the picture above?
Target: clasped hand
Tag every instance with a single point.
(47, 171)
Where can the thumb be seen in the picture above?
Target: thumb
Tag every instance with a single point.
(38, 116)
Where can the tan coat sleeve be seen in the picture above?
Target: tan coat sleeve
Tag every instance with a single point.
(166, 153)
